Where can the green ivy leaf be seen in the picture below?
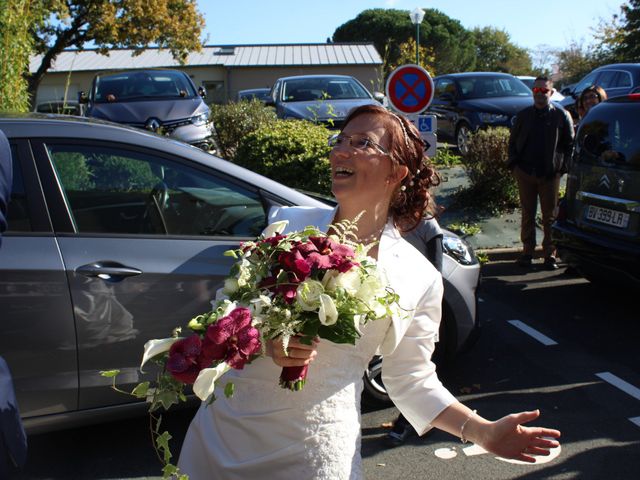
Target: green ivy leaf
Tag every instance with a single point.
(141, 390)
(109, 373)
(228, 390)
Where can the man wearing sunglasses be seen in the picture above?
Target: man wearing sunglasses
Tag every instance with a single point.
(539, 150)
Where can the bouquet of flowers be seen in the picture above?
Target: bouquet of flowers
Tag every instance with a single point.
(306, 284)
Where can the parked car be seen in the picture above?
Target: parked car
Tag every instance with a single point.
(528, 81)
(163, 101)
(326, 99)
(261, 94)
(598, 228)
(115, 237)
(69, 107)
(616, 79)
(465, 102)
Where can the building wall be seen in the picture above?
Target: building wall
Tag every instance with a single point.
(222, 83)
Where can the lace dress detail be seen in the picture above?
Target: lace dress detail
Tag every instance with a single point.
(264, 431)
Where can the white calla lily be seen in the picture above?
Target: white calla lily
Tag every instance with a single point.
(156, 347)
(205, 383)
(328, 313)
(275, 228)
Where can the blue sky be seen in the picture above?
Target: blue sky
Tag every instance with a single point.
(530, 23)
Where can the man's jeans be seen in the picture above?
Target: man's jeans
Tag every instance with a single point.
(531, 188)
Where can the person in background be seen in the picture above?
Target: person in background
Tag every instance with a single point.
(590, 97)
(540, 147)
(13, 441)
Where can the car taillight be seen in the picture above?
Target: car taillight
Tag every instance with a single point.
(634, 96)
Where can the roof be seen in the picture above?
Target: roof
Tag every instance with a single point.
(225, 56)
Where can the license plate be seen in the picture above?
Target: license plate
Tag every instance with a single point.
(608, 216)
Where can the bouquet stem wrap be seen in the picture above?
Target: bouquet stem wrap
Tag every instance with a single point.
(293, 378)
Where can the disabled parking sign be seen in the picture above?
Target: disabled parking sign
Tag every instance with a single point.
(409, 89)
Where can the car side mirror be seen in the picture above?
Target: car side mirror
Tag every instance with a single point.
(379, 96)
(82, 98)
(202, 92)
(269, 102)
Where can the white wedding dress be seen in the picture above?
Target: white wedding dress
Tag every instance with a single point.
(266, 432)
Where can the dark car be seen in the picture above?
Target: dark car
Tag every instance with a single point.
(115, 237)
(616, 79)
(69, 107)
(598, 228)
(261, 94)
(325, 99)
(163, 101)
(465, 102)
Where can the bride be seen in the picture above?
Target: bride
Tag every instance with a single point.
(264, 431)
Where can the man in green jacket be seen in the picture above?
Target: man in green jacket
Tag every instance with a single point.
(539, 150)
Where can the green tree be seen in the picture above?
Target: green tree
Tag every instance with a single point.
(575, 61)
(452, 45)
(496, 53)
(16, 18)
(630, 45)
(172, 24)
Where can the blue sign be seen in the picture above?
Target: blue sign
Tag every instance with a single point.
(425, 123)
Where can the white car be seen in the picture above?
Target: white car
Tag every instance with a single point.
(528, 81)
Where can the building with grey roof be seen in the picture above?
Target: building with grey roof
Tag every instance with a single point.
(222, 70)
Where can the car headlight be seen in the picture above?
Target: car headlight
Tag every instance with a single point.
(200, 119)
(458, 249)
(492, 117)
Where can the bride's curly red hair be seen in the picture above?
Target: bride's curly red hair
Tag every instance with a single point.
(412, 201)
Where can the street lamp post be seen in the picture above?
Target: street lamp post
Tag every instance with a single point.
(416, 18)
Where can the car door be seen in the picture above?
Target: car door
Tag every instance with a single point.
(443, 107)
(37, 331)
(144, 251)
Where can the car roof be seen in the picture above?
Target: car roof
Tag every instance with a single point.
(297, 77)
(475, 74)
(632, 66)
(37, 125)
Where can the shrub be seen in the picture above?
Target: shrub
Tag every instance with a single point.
(492, 185)
(234, 121)
(446, 158)
(292, 152)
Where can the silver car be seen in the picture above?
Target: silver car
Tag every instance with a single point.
(325, 99)
(163, 101)
(115, 236)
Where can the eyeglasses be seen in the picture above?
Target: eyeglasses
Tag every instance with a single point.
(359, 142)
(592, 96)
(540, 90)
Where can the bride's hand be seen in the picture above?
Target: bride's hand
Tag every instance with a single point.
(297, 355)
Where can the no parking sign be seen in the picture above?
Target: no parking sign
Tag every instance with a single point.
(409, 89)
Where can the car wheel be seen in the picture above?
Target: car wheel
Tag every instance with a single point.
(463, 133)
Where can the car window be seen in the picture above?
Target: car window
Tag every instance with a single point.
(610, 136)
(445, 86)
(140, 85)
(322, 88)
(18, 209)
(607, 78)
(111, 190)
(622, 80)
(490, 87)
(585, 82)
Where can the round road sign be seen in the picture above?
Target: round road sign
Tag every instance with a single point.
(409, 89)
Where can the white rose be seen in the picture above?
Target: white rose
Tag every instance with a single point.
(370, 289)
(308, 295)
(328, 314)
(230, 286)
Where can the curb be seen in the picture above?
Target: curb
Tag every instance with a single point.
(504, 254)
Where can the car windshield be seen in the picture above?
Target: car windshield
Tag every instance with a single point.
(131, 86)
(484, 86)
(610, 138)
(323, 88)
(528, 81)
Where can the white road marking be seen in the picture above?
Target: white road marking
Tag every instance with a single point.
(474, 450)
(553, 454)
(621, 384)
(446, 453)
(533, 332)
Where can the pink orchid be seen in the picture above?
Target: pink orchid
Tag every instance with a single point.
(232, 339)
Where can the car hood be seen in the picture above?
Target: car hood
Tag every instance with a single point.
(141, 111)
(503, 105)
(325, 109)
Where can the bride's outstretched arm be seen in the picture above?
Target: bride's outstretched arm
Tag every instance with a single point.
(507, 437)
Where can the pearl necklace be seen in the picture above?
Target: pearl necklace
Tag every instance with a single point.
(374, 237)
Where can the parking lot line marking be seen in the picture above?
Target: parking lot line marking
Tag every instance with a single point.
(635, 420)
(533, 332)
(619, 383)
